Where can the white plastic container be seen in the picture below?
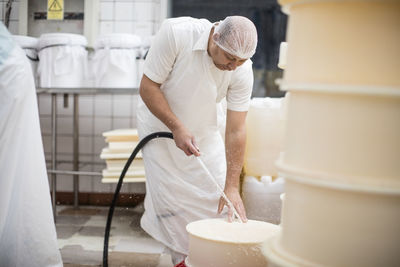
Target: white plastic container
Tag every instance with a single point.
(63, 60)
(218, 243)
(361, 46)
(336, 224)
(29, 45)
(261, 198)
(265, 128)
(344, 133)
(115, 63)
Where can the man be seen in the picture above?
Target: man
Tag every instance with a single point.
(27, 231)
(191, 66)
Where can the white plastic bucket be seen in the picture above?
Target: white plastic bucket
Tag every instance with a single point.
(348, 134)
(216, 242)
(29, 45)
(63, 60)
(261, 198)
(336, 224)
(265, 129)
(359, 46)
(115, 63)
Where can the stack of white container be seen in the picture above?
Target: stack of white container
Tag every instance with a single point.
(121, 144)
(342, 145)
(261, 187)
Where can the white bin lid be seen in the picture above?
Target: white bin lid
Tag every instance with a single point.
(118, 40)
(26, 41)
(49, 39)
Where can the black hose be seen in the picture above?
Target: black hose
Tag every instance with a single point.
(128, 163)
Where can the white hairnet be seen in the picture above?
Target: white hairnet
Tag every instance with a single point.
(237, 35)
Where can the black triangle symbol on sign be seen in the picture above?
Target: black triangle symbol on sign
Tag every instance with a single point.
(55, 6)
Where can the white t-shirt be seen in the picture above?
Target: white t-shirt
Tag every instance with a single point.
(170, 57)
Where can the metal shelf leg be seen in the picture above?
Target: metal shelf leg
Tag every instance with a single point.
(54, 151)
(76, 150)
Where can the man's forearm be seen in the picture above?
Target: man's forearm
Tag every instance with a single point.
(235, 142)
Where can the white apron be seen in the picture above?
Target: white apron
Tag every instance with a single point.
(178, 190)
(27, 231)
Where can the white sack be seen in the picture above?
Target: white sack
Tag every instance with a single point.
(27, 230)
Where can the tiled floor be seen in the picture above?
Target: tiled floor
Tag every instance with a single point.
(81, 235)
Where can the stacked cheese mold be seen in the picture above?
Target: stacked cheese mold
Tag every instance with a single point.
(342, 145)
(121, 144)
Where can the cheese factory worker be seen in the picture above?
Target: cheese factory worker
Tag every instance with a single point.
(191, 66)
(27, 230)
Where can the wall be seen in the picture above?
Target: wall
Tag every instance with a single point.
(36, 27)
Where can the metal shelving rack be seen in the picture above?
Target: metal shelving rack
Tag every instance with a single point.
(75, 92)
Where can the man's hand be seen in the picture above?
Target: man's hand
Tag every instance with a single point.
(234, 196)
(185, 141)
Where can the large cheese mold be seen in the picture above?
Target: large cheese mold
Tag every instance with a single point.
(349, 137)
(218, 243)
(351, 42)
(337, 225)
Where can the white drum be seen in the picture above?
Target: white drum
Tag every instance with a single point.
(336, 224)
(115, 61)
(29, 45)
(360, 47)
(63, 60)
(347, 133)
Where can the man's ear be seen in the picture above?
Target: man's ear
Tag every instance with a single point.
(215, 37)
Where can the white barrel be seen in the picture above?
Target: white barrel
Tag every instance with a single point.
(344, 132)
(29, 45)
(63, 60)
(115, 61)
(360, 46)
(261, 198)
(265, 128)
(336, 224)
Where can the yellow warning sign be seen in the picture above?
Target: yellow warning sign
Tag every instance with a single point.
(55, 9)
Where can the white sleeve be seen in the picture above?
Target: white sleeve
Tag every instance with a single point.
(240, 88)
(162, 53)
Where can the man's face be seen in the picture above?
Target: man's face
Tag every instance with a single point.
(225, 61)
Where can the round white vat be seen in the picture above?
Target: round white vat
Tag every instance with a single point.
(218, 243)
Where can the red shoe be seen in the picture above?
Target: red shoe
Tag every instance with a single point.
(181, 264)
